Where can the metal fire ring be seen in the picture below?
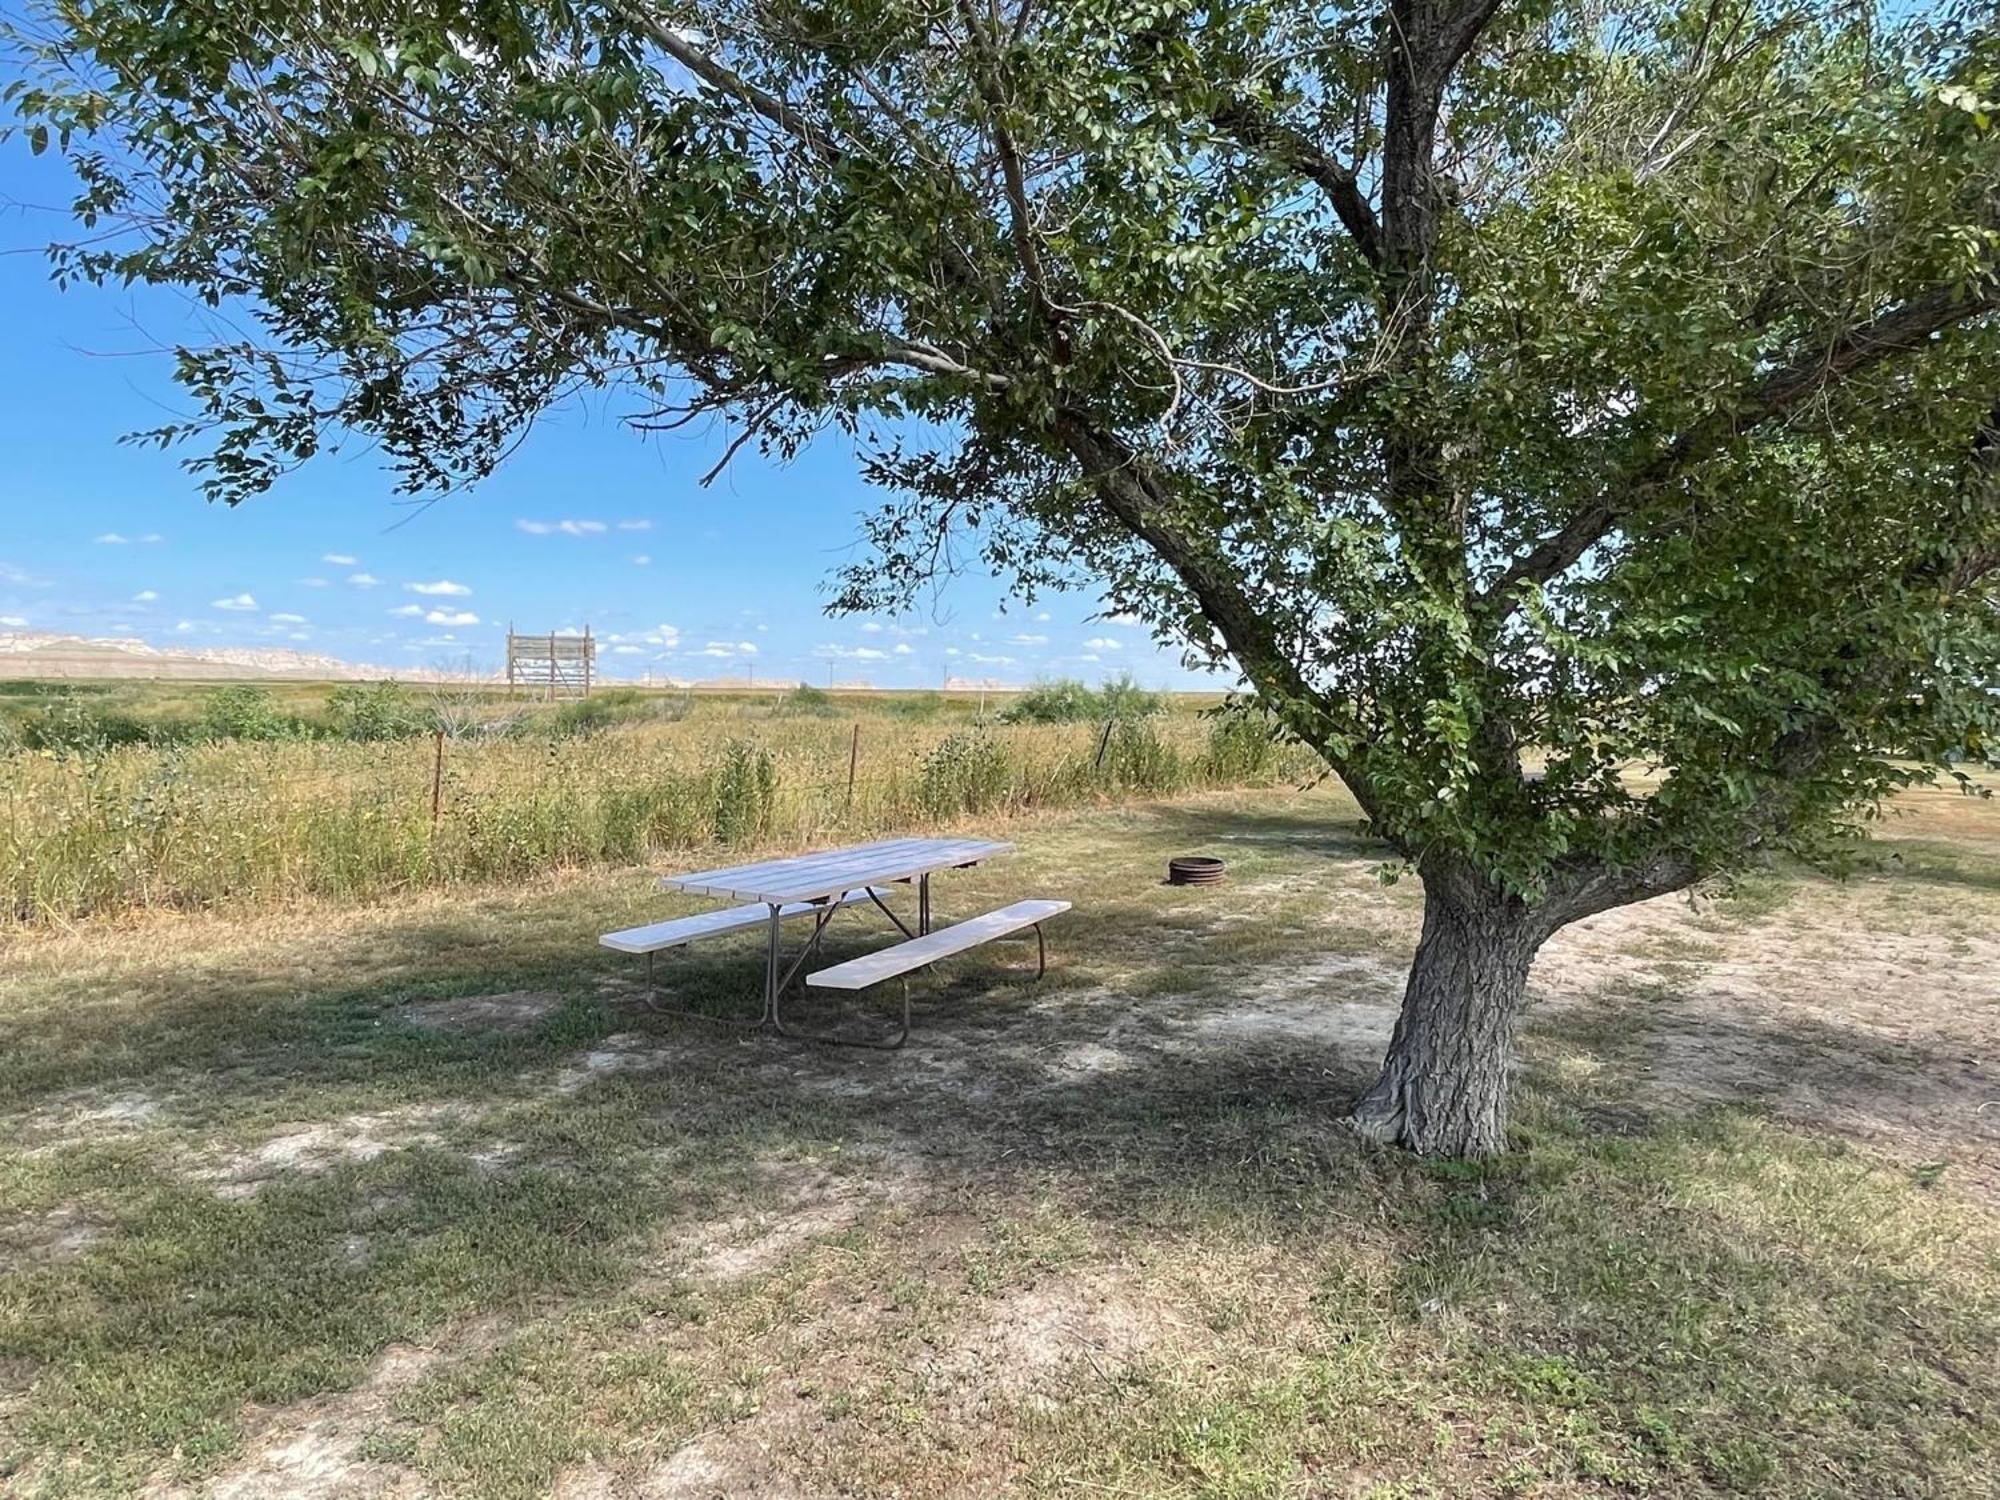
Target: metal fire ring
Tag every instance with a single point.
(1194, 869)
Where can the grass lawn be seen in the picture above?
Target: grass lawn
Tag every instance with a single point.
(413, 1199)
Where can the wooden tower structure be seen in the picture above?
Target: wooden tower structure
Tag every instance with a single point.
(554, 666)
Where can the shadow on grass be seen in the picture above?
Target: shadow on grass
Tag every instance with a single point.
(1689, 1303)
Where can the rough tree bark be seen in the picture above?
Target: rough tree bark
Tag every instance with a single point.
(1443, 1085)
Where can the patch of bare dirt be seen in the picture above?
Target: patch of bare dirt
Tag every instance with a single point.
(1344, 1001)
(1045, 1335)
(313, 1148)
(1824, 1015)
(627, 1052)
(314, 1450)
(1089, 1058)
(801, 1204)
(57, 1235)
(88, 1115)
(514, 1011)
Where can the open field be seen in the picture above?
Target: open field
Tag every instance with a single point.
(291, 809)
(411, 1199)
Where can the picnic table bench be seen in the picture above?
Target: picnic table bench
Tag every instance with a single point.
(771, 892)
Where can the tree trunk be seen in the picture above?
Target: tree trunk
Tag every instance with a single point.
(1443, 1087)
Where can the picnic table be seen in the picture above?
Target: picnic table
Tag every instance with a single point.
(818, 885)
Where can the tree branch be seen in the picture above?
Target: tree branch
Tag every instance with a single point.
(725, 80)
(1131, 493)
(1898, 331)
(1253, 129)
(1462, 28)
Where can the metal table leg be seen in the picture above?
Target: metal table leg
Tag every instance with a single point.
(771, 950)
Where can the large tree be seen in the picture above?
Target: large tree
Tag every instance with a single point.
(1574, 418)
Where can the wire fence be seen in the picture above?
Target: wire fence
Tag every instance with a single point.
(249, 824)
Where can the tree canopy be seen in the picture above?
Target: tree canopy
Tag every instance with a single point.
(1578, 421)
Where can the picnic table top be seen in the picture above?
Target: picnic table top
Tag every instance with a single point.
(830, 872)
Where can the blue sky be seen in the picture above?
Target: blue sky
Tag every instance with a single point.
(588, 522)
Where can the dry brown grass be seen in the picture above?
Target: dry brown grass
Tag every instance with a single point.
(1097, 1236)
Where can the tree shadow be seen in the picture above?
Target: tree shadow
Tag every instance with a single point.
(552, 1162)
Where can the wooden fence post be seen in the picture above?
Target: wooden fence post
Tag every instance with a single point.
(853, 760)
(437, 781)
(1103, 745)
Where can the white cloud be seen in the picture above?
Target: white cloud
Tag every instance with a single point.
(628, 650)
(1103, 643)
(443, 586)
(993, 661)
(1090, 656)
(1027, 640)
(641, 560)
(184, 627)
(451, 617)
(562, 528)
(661, 635)
(1121, 620)
(851, 653)
(729, 648)
(903, 648)
(288, 619)
(145, 596)
(1043, 618)
(242, 602)
(113, 539)
(363, 580)
(338, 559)
(953, 651)
(407, 611)
(636, 525)
(871, 627)
(14, 622)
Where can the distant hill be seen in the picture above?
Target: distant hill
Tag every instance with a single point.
(33, 654)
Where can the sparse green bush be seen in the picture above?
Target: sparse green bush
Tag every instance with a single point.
(1136, 759)
(1067, 701)
(746, 790)
(365, 711)
(586, 716)
(1242, 744)
(965, 772)
(917, 707)
(72, 726)
(805, 700)
(1123, 698)
(243, 712)
(1064, 701)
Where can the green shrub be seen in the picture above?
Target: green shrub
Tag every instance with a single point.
(1067, 701)
(965, 772)
(1064, 701)
(586, 716)
(806, 700)
(1137, 759)
(746, 790)
(919, 707)
(1123, 698)
(70, 725)
(1242, 745)
(242, 712)
(367, 711)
